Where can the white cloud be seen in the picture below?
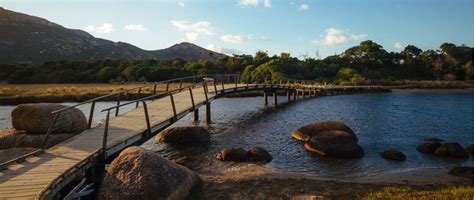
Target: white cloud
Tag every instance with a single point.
(303, 7)
(358, 37)
(266, 3)
(193, 29)
(338, 36)
(249, 2)
(236, 39)
(398, 46)
(203, 27)
(222, 50)
(105, 28)
(181, 4)
(135, 27)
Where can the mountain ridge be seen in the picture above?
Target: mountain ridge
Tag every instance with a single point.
(33, 40)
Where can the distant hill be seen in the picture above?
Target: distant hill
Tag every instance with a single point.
(29, 39)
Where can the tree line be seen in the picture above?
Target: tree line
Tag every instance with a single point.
(366, 63)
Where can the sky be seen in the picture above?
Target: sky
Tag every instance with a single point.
(314, 28)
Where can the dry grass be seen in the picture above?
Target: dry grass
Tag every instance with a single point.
(12, 94)
(395, 193)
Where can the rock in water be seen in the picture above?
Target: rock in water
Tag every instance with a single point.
(451, 149)
(35, 118)
(138, 173)
(232, 154)
(305, 132)
(464, 171)
(335, 143)
(257, 154)
(470, 149)
(184, 135)
(428, 147)
(393, 154)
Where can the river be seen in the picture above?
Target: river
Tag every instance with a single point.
(401, 120)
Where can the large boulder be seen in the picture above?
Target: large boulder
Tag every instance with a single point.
(12, 138)
(138, 173)
(232, 154)
(451, 149)
(184, 135)
(36, 118)
(306, 132)
(428, 147)
(335, 143)
(257, 154)
(393, 154)
(254, 154)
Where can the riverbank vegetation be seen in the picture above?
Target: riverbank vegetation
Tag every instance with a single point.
(366, 63)
(459, 192)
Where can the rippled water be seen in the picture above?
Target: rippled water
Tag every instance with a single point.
(399, 120)
(390, 120)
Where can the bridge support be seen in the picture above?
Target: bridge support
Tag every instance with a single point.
(275, 98)
(208, 112)
(288, 96)
(196, 114)
(265, 98)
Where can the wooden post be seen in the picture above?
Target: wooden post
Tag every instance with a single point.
(196, 114)
(304, 93)
(91, 115)
(50, 129)
(294, 95)
(215, 87)
(265, 98)
(104, 139)
(147, 117)
(174, 107)
(118, 103)
(297, 94)
(154, 88)
(275, 98)
(138, 97)
(288, 96)
(208, 112)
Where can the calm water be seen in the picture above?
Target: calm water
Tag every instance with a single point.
(399, 120)
(392, 120)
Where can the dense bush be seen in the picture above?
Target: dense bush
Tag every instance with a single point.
(366, 63)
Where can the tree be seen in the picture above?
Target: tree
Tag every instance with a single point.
(411, 50)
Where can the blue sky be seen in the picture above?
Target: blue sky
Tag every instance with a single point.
(246, 26)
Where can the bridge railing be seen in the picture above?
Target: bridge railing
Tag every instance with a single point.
(155, 88)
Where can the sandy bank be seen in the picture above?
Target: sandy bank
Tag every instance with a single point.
(251, 181)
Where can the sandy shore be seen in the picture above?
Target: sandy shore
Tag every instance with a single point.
(252, 181)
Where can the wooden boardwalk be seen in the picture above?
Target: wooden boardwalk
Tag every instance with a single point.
(42, 176)
(29, 179)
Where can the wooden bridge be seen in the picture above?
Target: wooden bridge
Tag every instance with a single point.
(45, 173)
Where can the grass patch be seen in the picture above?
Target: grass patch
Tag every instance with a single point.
(395, 193)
